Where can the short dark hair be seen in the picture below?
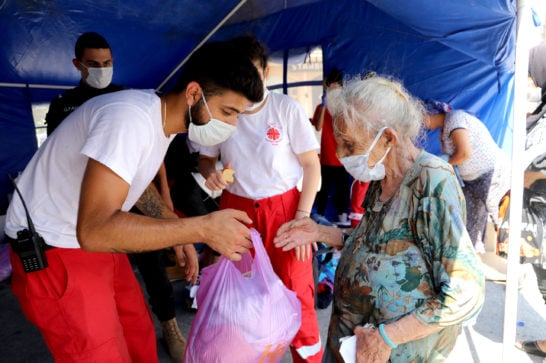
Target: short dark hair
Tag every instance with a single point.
(217, 67)
(89, 40)
(334, 76)
(251, 47)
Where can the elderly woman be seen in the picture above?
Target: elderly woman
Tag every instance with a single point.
(409, 268)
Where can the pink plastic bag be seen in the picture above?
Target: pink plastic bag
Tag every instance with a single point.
(245, 313)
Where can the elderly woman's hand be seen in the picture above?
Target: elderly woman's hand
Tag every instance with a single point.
(370, 347)
(300, 234)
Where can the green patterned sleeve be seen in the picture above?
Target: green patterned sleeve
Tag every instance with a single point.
(457, 277)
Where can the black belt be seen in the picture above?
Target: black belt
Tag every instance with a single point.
(12, 242)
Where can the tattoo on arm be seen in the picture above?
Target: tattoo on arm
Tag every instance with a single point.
(150, 203)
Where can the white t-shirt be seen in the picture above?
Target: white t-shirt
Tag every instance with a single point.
(263, 150)
(122, 130)
(485, 152)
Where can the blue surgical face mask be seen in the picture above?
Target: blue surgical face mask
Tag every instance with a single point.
(357, 165)
(212, 133)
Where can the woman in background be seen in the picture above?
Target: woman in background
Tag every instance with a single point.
(484, 168)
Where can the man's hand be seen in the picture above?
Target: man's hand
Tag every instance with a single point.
(227, 233)
(186, 256)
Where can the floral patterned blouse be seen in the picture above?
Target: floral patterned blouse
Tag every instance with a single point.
(410, 255)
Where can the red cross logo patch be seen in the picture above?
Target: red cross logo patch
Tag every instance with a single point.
(273, 135)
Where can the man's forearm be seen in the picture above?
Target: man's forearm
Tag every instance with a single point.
(151, 204)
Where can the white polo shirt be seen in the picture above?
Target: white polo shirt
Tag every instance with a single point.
(263, 150)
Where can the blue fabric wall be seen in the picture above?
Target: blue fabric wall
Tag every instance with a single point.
(461, 52)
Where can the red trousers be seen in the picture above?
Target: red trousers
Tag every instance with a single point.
(89, 307)
(358, 193)
(268, 215)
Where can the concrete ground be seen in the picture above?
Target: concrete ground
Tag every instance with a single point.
(20, 342)
(482, 342)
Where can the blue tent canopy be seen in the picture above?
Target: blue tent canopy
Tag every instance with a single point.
(461, 52)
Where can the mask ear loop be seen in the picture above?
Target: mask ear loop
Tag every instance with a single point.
(377, 137)
(206, 105)
(384, 156)
(379, 133)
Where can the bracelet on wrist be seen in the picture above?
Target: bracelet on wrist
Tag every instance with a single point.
(304, 211)
(385, 337)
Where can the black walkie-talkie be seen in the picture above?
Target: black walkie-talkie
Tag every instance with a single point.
(29, 245)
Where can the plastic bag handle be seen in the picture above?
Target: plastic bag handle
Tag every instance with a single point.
(259, 264)
(261, 259)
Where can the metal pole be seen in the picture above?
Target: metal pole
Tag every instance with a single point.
(32, 85)
(285, 72)
(210, 34)
(516, 191)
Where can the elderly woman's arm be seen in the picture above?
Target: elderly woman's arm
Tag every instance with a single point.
(305, 231)
(456, 273)
(458, 278)
(404, 330)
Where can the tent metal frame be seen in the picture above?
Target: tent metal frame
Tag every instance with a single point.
(203, 41)
(524, 21)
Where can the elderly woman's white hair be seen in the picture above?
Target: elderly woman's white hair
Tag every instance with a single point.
(376, 102)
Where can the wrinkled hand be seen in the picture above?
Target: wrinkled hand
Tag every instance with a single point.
(186, 256)
(370, 347)
(304, 253)
(216, 180)
(300, 234)
(227, 233)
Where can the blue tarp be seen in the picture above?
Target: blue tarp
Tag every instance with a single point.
(460, 52)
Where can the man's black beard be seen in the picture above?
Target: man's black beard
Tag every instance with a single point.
(196, 112)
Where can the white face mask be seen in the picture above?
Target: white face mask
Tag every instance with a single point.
(258, 104)
(212, 133)
(357, 165)
(99, 77)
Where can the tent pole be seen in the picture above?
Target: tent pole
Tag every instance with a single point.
(285, 72)
(516, 192)
(32, 85)
(210, 34)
